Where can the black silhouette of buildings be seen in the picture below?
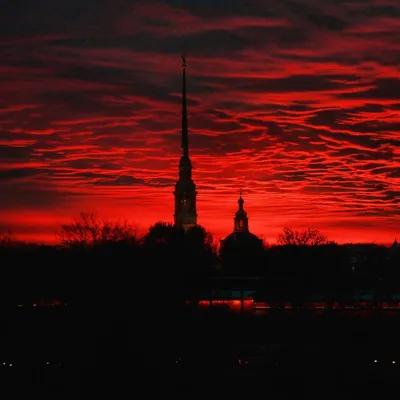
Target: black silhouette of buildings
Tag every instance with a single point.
(241, 233)
(185, 215)
(241, 252)
(185, 193)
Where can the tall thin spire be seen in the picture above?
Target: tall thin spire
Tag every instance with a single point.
(185, 189)
(185, 139)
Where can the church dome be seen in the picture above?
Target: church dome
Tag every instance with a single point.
(241, 238)
(241, 251)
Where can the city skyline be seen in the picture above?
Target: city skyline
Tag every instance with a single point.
(294, 103)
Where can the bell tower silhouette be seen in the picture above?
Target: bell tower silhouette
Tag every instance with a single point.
(185, 193)
(241, 221)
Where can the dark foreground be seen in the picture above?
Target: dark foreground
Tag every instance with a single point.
(60, 354)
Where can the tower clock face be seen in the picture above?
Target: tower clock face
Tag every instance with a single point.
(185, 204)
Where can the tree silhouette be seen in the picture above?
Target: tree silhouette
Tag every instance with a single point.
(6, 238)
(162, 234)
(200, 237)
(193, 250)
(180, 261)
(200, 248)
(308, 237)
(88, 229)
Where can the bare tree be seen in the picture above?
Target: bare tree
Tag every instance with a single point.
(6, 238)
(161, 233)
(88, 229)
(308, 237)
(117, 231)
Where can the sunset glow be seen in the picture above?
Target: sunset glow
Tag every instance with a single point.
(296, 103)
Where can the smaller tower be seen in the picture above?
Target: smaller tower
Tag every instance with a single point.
(241, 251)
(241, 221)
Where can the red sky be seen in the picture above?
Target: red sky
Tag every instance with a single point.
(295, 102)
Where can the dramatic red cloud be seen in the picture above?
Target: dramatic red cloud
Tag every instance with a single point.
(294, 102)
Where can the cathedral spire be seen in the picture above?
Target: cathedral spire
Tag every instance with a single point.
(185, 189)
(185, 139)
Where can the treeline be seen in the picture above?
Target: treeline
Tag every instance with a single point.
(105, 263)
(331, 272)
(102, 263)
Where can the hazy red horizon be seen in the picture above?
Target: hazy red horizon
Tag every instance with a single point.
(294, 102)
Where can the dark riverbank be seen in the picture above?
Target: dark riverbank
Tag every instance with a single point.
(59, 353)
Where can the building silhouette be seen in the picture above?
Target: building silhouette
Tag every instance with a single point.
(241, 233)
(241, 252)
(185, 215)
(185, 193)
